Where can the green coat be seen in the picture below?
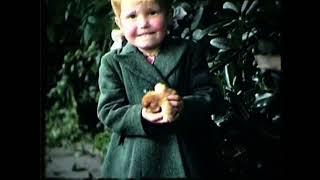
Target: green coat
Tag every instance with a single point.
(141, 149)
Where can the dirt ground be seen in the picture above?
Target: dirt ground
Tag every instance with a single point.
(66, 163)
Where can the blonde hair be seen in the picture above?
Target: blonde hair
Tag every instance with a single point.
(116, 6)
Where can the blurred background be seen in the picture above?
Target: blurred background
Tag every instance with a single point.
(242, 39)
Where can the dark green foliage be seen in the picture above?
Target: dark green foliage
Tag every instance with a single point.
(78, 34)
(250, 114)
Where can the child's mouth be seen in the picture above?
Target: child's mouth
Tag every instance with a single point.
(146, 34)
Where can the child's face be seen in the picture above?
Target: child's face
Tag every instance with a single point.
(143, 23)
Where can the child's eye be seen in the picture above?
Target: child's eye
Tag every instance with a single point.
(153, 12)
(131, 16)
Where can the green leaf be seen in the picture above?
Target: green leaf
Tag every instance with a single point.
(229, 23)
(252, 7)
(230, 5)
(179, 13)
(92, 20)
(221, 43)
(186, 6)
(68, 11)
(199, 34)
(185, 33)
(244, 6)
(87, 34)
(230, 71)
(212, 29)
(227, 75)
(213, 34)
(224, 58)
(197, 18)
(248, 34)
(262, 100)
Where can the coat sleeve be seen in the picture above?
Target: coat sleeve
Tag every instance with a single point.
(113, 110)
(199, 102)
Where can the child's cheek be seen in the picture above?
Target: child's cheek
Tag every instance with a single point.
(130, 32)
(159, 24)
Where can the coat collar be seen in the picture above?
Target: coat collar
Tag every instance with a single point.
(167, 60)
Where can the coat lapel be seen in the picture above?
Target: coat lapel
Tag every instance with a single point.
(135, 62)
(168, 59)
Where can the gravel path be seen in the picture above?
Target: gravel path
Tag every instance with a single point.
(65, 163)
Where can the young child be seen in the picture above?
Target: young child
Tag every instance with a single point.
(143, 144)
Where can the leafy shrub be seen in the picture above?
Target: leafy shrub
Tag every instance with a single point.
(237, 35)
(82, 29)
(77, 86)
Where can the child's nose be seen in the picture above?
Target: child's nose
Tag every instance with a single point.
(143, 22)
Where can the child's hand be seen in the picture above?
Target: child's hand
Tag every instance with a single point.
(158, 117)
(150, 116)
(176, 102)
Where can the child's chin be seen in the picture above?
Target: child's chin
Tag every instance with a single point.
(150, 44)
(148, 47)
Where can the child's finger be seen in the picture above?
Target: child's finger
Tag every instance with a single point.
(174, 97)
(175, 103)
(155, 116)
(160, 121)
(151, 116)
(157, 109)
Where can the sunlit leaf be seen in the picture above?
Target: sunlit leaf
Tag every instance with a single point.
(212, 29)
(244, 6)
(213, 34)
(220, 42)
(234, 81)
(179, 13)
(199, 34)
(252, 7)
(262, 100)
(225, 56)
(222, 50)
(87, 34)
(92, 19)
(210, 64)
(230, 5)
(185, 32)
(67, 13)
(186, 6)
(229, 23)
(197, 18)
(246, 35)
(227, 75)
(72, 68)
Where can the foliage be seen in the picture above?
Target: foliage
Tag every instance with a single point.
(250, 111)
(83, 30)
(101, 141)
(76, 87)
(62, 125)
